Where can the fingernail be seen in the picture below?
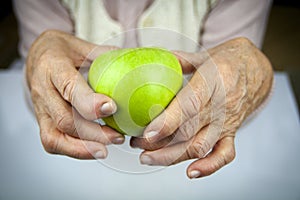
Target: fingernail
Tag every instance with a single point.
(150, 134)
(108, 108)
(146, 160)
(99, 155)
(194, 174)
(118, 140)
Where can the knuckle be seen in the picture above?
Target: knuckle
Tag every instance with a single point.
(217, 164)
(68, 88)
(48, 62)
(229, 156)
(185, 132)
(68, 77)
(49, 143)
(199, 148)
(243, 41)
(37, 87)
(192, 104)
(167, 160)
(222, 161)
(44, 58)
(35, 92)
(102, 138)
(89, 111)
(195, 102)
(225, 158)
(76, 154)
(49, 33)
(164, 127)
(65, 122)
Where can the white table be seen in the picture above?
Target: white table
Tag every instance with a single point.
(266, 167)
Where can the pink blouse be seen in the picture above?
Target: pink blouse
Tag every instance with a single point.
(226, 20)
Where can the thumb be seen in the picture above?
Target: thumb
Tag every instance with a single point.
(70, 83)
(73, 88)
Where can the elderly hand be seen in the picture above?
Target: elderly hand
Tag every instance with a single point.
(229, 83)
(65, 106)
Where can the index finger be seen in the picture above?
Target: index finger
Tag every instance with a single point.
(74, 89)
(186, 105)
(204, 89)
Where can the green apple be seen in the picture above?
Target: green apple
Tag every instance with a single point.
(142, 82)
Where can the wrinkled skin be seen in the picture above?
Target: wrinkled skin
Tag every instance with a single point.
(228, 84)
(64, 104)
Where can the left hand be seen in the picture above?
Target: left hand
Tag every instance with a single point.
(229, 83)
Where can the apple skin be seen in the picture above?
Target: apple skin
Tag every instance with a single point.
(142, 82)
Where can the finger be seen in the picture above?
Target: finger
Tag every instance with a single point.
(55, 142)
(91, 131)
(165, 156)
(222, 154)
(69, 121)
(191, 61)
(204, 87)
(188, 103)
(197, 147)
(74, 89)
(184, 133)
(142, 143)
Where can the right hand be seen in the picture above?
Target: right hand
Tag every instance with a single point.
(65, 106)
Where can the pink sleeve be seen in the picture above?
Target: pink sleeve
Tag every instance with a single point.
(34, 17)
(234, 18)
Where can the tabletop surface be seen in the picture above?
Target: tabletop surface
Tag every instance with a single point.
(266, 166)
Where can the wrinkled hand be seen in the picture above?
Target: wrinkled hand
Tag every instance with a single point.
(64, 103)
(228, 84)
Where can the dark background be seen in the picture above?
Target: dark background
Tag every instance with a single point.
(281, 45)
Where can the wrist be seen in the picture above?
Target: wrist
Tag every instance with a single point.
(261, 82)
